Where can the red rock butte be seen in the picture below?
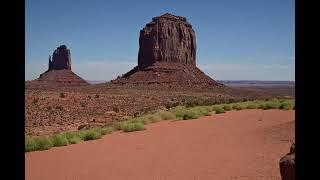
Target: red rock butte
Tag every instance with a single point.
(59, 72)
(167, 56)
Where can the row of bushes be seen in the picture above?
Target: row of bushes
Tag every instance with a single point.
(137, 123)
(64, 139)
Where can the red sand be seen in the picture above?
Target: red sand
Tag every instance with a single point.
(244, 145)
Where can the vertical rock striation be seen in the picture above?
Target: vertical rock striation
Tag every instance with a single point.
(167, 38)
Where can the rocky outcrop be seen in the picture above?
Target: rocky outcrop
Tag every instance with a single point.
(287, 165)
(167, 38)
(61, 59)
(59, 72)
(167, 56)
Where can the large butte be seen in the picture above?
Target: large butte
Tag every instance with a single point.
(59, 73)
(167, 56)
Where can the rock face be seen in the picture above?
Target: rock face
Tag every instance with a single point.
(167, 56)
(59, 72)
(287, 165)
(167, 38)
(61, 59)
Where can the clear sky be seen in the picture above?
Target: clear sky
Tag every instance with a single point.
(236, 39)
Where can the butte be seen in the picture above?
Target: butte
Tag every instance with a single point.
(167, 56)
(59, 72)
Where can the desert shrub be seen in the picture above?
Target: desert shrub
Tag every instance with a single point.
(237, 107)
(190, 114)
(91, 135)
(118, 125)
(286, 105)
(129, 127)
(166, 115)
(151, 118)
(205, 112)
(179, 111)
(227, 107)
(220, 110)
(106, 130)
(251, 106)
(62, 95)
(58, 140)
(72, 137)
(201, 110)
(74, 140)
(215, 107)
(272, 105)
(97, 96)
(37, 144)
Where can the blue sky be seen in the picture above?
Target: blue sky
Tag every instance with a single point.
(236, 40)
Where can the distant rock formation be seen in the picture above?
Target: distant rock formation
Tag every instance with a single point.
(59, 72)
(167, 56)
(61, 59)
(167, 38)
(287, 165)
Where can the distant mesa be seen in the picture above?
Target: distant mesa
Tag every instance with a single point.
(59, 72)
(167, 55)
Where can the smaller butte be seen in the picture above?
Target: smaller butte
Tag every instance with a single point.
(59, 73)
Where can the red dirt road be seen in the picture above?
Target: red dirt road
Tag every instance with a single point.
(243, 145)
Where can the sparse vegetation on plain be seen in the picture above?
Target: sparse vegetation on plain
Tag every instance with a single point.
(137, 123)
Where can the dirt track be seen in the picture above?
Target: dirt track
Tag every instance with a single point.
(244, 145)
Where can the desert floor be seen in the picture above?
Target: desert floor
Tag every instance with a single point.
(244, 145)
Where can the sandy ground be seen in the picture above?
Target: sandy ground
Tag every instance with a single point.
(244, 145)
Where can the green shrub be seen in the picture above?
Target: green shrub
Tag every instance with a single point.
(118, 125)
(220, 110)
(227, 107)
(190, 115)
(106, 130)
(91, 135)
(202, 110)
(151, 118)
(74, 140)
(179, 111)
(272, 105)
(251, 106)
(285, 105)
(37, 144)
(129, 127)
(261, 106)
(166, 115)
(58, 140)
(237, 107)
